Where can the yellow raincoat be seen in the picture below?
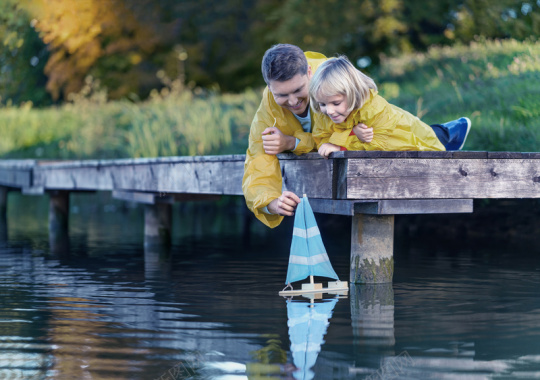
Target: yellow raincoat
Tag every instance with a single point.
(393, 129)
(262, 180)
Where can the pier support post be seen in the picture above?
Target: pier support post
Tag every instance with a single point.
(372, 246)
(3, 214)
(157, 224)
(59, 221)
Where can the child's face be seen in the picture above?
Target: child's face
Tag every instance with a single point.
(335, 107)
(292, 94)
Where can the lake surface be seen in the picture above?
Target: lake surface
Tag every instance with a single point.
(106, 308)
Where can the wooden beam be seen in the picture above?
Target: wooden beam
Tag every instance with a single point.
(153, 198)
(392, 206)
(439, 178)
(16, 173)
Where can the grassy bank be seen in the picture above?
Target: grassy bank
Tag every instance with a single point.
(173, 122)
(495, 83)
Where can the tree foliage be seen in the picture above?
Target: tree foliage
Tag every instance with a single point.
(124, 44)
(22, 56)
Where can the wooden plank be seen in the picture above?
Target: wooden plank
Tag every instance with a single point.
(375, 154)
(182, 176)
(190, 177)
(506, 155)
(392, 206)
(419, 206)
(336, 207)
(194, 176)
(137, 196)
(469, 154)
(431, 154)
(310, 177)
(15, 177)
(73, 178)
(339, 178)
(442, 179)
(153, 198)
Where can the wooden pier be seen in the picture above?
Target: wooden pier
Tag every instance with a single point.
(370, 187)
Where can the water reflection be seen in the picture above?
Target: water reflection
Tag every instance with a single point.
(308, 322)
(157, 262)
(209, 308)
(372, 319)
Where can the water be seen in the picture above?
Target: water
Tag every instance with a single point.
(108, 309)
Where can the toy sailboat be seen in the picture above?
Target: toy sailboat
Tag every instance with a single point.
(308, 256)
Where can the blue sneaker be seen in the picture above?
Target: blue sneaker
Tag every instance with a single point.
(458, 131)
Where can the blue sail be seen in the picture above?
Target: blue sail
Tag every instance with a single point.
(308, 256)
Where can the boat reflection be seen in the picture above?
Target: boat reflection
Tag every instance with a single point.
(308, 322)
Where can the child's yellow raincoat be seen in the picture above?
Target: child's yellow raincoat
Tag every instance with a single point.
(393, 129)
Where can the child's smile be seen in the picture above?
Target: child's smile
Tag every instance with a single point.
(335, 107)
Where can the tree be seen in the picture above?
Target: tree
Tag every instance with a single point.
(101, 36)
(22, 57)
(501, 19)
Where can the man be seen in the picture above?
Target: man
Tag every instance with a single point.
(284, 122)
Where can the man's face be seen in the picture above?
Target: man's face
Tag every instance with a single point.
(292, 94)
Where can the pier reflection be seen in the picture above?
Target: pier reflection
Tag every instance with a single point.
(3, 229)
(372, 319)
(157, 262)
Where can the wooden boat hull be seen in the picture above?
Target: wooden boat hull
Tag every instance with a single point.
(337, 287)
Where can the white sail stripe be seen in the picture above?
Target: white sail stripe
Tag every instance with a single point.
(298, 320)
(312, 260)
(300, 232)
(310, 232)
(305, 347)
(313, 231)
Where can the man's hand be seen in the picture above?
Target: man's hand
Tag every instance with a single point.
(328, 148)
(285, 204)
(274, 141)
(363, 132)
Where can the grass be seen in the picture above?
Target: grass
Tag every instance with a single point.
(494, 83)
(173, 122)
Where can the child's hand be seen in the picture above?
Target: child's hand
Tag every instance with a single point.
(363, 132)
(328, 148)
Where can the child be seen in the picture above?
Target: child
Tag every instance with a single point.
(349, 97)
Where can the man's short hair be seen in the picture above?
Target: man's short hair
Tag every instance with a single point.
(282, 62)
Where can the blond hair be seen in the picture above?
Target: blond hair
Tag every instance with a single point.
(338, 76)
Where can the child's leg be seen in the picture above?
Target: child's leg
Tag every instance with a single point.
(442, 133)
(454, 133)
